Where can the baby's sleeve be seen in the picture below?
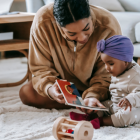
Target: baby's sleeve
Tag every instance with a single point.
(134, 91)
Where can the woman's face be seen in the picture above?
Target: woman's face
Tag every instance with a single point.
(80, 30)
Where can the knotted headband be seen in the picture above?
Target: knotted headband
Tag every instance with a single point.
(117, 46)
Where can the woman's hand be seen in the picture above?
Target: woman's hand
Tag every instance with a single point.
(126, 103)
(56, 94)
(93, 102)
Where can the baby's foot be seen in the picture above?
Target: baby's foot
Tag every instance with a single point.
(96, 123)
(80, 117)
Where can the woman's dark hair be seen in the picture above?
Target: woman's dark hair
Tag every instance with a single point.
(69, 11)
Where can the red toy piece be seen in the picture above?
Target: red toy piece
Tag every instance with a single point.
(69, 131)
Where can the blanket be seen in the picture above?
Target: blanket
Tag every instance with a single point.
(21, 122)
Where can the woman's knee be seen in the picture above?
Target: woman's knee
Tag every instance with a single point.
(24, 94)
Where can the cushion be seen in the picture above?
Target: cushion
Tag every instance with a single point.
(136, 50)
(131, 5)
(111, 5)
(127, 21)
(137, 32)
(46, 2)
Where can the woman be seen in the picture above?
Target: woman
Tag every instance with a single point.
(63, 45)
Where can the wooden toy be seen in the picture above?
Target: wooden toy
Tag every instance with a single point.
(66, 129)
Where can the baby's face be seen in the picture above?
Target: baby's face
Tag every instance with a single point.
(114, 66)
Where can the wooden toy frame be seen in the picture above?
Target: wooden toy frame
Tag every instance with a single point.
(83, 130)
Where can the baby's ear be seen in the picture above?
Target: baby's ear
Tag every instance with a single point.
(126, 63)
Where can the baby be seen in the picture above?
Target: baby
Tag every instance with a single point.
(124, 106)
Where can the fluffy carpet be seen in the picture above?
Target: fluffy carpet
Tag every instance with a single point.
(21, 122)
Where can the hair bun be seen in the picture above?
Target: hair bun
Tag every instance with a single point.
(101, 45)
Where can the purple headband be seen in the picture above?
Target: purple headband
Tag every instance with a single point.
(117, 46)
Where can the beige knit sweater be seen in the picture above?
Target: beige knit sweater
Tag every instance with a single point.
(126, 85)
(52, 55)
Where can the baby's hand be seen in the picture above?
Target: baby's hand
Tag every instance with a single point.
(126, 103)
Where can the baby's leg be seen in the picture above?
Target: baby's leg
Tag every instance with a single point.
(104, 117)
(121, 118)
(107, 104)
(125, 118)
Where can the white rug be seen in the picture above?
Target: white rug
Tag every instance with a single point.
(21, 122)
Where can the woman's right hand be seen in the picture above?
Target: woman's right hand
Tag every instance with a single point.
(56, 94)
(93, 102)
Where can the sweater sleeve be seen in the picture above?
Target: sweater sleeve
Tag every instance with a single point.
(99, 83)
(134, 91)
(40, 62)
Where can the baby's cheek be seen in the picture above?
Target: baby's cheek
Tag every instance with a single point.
(116, 69)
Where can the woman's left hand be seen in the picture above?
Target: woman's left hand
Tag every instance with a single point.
(126, 103)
